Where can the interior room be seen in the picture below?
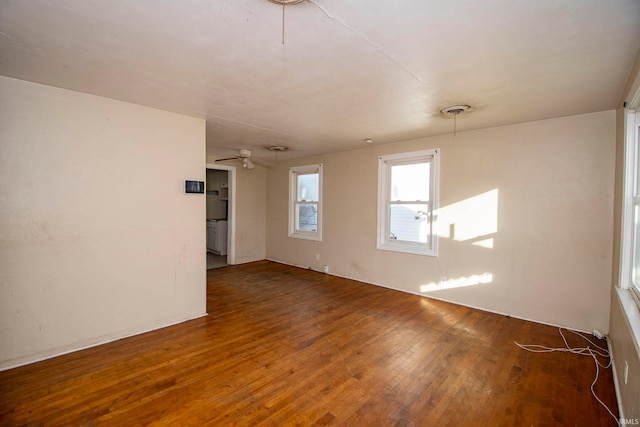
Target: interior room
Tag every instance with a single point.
(320, 212)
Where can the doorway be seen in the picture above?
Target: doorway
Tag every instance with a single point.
(220, 215)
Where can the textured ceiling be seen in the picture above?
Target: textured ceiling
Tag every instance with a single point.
(348, 70)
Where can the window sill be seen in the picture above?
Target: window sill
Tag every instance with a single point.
(306, 236)
(407, 249)
(632, 312)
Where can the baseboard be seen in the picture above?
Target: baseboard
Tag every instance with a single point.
(96, 344)
(435, 298)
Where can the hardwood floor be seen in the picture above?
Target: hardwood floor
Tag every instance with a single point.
(286, 346)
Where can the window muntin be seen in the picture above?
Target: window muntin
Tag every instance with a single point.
(407, 197)
(305, 193)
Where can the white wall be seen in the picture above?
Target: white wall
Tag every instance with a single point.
(97, 238)
(251, 206)
(525, 208)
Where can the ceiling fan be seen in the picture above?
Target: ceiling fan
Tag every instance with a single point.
(245, 157)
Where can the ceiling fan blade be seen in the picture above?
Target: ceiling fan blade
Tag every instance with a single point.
(247, 161)
(264, 165)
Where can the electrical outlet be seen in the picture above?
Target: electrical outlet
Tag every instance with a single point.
(317, 257)
(626, 371)
(325, 269)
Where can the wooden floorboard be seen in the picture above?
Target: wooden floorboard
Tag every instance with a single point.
(285, 346)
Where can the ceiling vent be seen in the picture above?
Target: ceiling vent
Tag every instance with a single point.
(455, 109)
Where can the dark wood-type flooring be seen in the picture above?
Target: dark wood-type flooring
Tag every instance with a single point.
(286, 346)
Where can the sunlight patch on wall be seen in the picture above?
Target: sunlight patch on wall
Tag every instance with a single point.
(460, 282)
(486, 243)
(472, 220)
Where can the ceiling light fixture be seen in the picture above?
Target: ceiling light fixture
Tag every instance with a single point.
(368, 141)
(454, 110)
(277, 148)
(285, 3)
(247, 163)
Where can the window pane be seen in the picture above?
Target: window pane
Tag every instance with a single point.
(308, 188)
(635, 261)
(410, 182)
(636, 247)
(409, 223)
(307, 217)
(637, 189)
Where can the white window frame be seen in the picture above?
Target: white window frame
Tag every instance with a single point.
(384, 242)
(293, 201)
(631, 198)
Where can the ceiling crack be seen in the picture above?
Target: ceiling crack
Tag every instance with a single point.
(209, 118)
(363, 37)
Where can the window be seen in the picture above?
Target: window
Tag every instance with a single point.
(630, 259)
(407, 200)
(305, 202)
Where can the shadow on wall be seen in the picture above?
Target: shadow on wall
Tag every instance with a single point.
(473, 221)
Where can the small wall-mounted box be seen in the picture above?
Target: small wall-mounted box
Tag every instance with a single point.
(194, 187)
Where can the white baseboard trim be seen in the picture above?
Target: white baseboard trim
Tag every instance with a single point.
(96, 344)
(436, 298)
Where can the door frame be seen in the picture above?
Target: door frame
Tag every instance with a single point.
(231, 219)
